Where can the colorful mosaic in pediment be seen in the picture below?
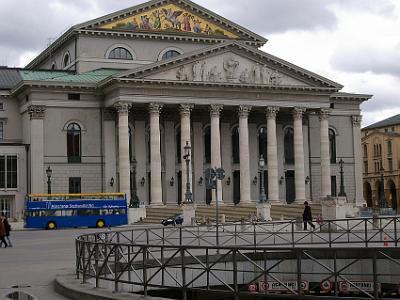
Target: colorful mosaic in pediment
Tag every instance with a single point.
(169, 18)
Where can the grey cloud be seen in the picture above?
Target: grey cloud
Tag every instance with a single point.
(369, 59)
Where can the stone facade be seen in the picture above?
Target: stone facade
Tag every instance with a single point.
(210, 87)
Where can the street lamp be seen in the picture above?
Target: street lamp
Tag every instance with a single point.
(263, 197)
(186, 157)
(342, 193)
(382, 200)
(48, 173)
(134, 201)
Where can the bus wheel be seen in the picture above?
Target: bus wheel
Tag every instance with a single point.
(100, 223)
(51, 225)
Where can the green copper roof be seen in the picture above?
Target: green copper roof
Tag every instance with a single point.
(65, 76)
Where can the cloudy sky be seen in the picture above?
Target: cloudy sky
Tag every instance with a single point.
(353, 42)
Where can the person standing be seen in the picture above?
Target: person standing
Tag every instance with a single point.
(307, 216)
(2, 233)
(8, 229)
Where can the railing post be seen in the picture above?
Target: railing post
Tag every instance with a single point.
(366, 232)
(116, 265)
(77, 257)
(395, 231)
(180, 236)
(144, 266)
(83, 264)
(299, 254)
(293, 243)
(375, 273)
(330, 232)
(235, 275)
(96, 261)
(254, 235)
(184, 289)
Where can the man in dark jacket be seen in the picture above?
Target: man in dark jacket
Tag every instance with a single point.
(8, 229)
(2, 233)
(307, 216)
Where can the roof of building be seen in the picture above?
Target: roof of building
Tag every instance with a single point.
(9, 77)
(42, 74)
(394, 120)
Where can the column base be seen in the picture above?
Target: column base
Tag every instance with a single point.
(275, 202)
(299, 201)
(136, 214)
(264, 211)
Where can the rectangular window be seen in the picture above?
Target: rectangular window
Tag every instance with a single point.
(5, 206)
(390, 164)
(75, 97)
(1, 130)
(12, 172)
(366, 167)
(74, 185)
(365, 151)
(1, 106)
(333, 186)
(389, 145)
(8, 172)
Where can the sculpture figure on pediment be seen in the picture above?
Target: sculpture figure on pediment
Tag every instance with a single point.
(245, 76)
(265, 75)
(204, 73)
(230, 67)
(275, 78)
(213, 74)
(181, 74)
(257, 73)
(197, 71)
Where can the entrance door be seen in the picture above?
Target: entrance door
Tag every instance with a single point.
(236, 187)
(179, 187)
(74, 185)
(290, 187)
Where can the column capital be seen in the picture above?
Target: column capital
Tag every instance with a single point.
(36, 111)
(244, 111)
(324, 113)
(122, 107)
(356, 120)
(271, 112)
(155, 108)
(185, 109)
(215, 109)
(298, 113)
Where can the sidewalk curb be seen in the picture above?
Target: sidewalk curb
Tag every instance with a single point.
(70, 287)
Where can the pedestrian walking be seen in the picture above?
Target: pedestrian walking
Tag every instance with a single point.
(8, 229)
(307, 216)
(2, 233)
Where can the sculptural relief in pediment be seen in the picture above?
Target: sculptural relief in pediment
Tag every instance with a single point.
(227, 68)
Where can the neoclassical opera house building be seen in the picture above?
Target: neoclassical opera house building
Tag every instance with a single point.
(110, 105)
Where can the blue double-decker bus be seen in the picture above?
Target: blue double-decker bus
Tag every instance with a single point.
(52, 211)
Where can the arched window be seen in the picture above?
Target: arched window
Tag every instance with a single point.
(289, 145)
(262, 142)
(332, 145)
(178, 145)
(53, 66)
(235, 145)
(207, 145)
(74, 143)
(120, 53)
(66, 60)
(170, 54)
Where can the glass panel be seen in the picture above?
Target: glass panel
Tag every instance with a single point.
(332, 146)
(289, 146)
(2, 172)
(235, 145)
(207, 145)
(1, 130)
(170, 54)
(178, 145)
(333, 186)
(120, 53)
(12, 172)
(262, 142)
(73, 143)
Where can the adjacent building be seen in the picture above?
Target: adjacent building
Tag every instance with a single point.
(381, 162)
(110, 105)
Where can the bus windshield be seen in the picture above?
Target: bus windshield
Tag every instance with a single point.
(75, 210)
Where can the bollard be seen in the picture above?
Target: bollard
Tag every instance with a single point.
(385, 241)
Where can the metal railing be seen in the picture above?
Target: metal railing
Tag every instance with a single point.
(340, 252)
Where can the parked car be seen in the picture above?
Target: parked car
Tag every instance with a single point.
(175, 219)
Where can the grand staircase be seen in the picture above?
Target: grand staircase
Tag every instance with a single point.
(232, 213)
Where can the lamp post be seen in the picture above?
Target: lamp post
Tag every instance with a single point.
(186, 157)
(48, 173)
(134, 201)
(263, 197)
(382, 200)
(342, 193)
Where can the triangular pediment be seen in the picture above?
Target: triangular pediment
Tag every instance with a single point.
(233, 63)
(172, 17)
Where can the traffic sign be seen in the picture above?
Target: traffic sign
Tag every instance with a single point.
(252, 287)
(220, 173)
(210, 176)
(326, 286)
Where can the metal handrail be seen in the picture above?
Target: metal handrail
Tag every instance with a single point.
(147, 258)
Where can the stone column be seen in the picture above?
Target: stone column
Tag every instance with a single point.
(110, 147)
(325, 156)
(123, 149)
(299, 155)
(185, 110)
(245, 192)
(155, 154)
(215, 110)
(359, 197)
(37, 114)
(272, 156)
